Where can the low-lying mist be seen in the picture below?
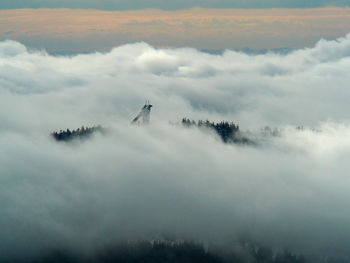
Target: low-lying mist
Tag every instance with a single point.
(167, 181)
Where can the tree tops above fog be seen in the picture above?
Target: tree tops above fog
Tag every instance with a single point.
(228, 131)
(79, 133)
(174, 252)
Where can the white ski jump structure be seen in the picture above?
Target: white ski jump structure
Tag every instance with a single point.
(145, 114)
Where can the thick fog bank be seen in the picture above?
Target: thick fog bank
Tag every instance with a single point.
(143, 182)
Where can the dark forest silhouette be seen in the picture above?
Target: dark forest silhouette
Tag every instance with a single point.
(173, 252)
(228, 131)
(79, 133)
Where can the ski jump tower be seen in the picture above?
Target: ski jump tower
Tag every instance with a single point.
(145, 114)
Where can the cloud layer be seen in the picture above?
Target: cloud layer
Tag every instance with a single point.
(141, 182)
(167, 4)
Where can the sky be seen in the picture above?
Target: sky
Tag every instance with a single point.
(168, 4)
(66, 31)
(141, 182)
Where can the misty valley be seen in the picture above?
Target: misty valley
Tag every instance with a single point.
(207, 179)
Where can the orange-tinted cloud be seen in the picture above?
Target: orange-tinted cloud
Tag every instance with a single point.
(200, 28)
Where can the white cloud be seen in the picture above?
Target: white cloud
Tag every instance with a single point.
(135, 182)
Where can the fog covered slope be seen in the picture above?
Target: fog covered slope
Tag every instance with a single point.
(143, 182)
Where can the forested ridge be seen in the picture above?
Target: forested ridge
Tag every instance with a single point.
(228, 131)
(174, 252)
(79, 133)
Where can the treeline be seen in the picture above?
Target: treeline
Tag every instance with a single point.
(81, 133)
(228, 131)
(173, 252)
